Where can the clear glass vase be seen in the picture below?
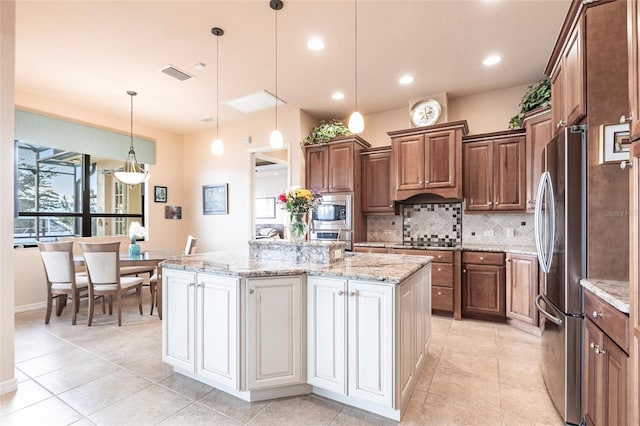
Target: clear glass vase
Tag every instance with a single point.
(298, 227)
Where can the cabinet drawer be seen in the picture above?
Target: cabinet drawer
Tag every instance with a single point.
(483, 258)
(438, 255)
(442, 299)
(442, 274)
(613, 322)
(370, 250)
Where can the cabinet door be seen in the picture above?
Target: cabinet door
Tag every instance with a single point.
(592, 379)
(522, 287)
(538, 135)
(574, 75)
(633, 39)
(326, 333)
(483, 291)
(217, 342)
(376, 183)
(341, 167)
(370, 348)
(440, 157)
(407, 338)
(317, 168)
(509, 174)
(478, 175)
(178, 332)
(273, 331)
(615, 383)
(557, 99)
(409, 157)
(421, 307)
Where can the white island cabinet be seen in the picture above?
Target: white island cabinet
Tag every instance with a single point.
(355, 331)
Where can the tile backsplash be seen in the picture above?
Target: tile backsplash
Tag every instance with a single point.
(447, 221)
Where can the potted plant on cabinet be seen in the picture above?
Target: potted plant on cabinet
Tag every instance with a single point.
(325, 131)
(538, 95)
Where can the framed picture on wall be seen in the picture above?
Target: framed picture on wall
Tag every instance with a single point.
(614, 143)
(160, 194)
(266, 208)
(214, 199)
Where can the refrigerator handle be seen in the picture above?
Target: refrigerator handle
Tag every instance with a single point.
(538, 221)
(550, 317)
(552, 228)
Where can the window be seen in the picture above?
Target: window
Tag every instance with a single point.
(54, 199)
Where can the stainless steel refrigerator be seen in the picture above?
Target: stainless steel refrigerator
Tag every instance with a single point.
(560, 233)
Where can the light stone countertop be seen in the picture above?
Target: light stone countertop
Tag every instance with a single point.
(386, 268)
(616, 293)
(530, 250)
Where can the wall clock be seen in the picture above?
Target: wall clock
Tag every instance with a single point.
(425, 112)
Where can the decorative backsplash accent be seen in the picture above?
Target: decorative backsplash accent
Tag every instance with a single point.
(418, 220)
(505, 229)
(432, 223)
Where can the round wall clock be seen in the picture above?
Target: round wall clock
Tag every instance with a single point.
(425, 112)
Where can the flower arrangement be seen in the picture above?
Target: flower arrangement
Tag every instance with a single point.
(297, 200)
(136, 232)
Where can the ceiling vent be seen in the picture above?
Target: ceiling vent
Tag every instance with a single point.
(208, 120)
(176, 73)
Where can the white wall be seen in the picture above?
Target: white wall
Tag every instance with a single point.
(7, 329)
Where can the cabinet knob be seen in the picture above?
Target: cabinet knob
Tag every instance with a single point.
(626, 119)
(481, 258)
(464, 271)
(439, 293)
(390, 205)
(340, 292)
(420, 182)
(251, 291)
(624, 164)
(439, 256)
(490, 203)
(599, 351)
(352, 293)
(561, 123)
(596, 314)
(439, 269)
(192, 284)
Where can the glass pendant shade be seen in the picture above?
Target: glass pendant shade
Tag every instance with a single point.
(276, 140)
(131, 173)
(356, 123)
(217, 147)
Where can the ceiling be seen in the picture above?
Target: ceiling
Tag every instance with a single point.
(89, 53)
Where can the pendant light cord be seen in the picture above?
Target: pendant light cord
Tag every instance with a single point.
(217, 85)
(276, 44)
(131, 133)
(355, 26)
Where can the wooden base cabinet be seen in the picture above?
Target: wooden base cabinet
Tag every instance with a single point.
(367, 341)
(522, 288)
(483, 286)
(605, 367)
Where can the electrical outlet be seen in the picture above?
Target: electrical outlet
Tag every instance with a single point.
(510, 232)
(488, 233)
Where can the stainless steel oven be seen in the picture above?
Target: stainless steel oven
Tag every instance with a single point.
(331, 219)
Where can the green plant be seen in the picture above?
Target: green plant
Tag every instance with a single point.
(537, 96)
(324, 132)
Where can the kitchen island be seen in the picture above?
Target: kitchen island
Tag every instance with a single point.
(355, 330)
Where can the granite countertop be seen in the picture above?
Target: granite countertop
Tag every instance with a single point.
(616, 293)
(530, 250)
(391, 268)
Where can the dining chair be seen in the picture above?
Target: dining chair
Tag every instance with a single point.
(62, 279)
(190, 248)
(103, 268)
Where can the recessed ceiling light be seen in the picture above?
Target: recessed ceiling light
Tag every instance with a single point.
(337, 96)
(491, 60)
(406, 79)
(200, 66)
(315, 43)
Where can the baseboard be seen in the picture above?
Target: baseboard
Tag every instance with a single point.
(30, 307)
(8, 386)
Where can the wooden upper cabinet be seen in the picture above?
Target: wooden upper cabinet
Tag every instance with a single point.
(478, 175)
(335, 167)
(568, 89)
(538, 133)
(633, 40)
(317, 168)
(428, 160)
(376, 181)
(410, 161)
(341, 171)
(494, 170)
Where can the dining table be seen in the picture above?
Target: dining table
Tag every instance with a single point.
(151, 258)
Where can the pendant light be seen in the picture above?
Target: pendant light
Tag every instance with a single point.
(131, 173)
(217, 147)
(356, 121)
(275, 140)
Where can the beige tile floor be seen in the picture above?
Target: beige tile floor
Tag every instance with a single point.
(477, 373)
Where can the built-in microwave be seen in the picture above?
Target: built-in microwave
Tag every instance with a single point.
(333, 212)
(332, 235)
